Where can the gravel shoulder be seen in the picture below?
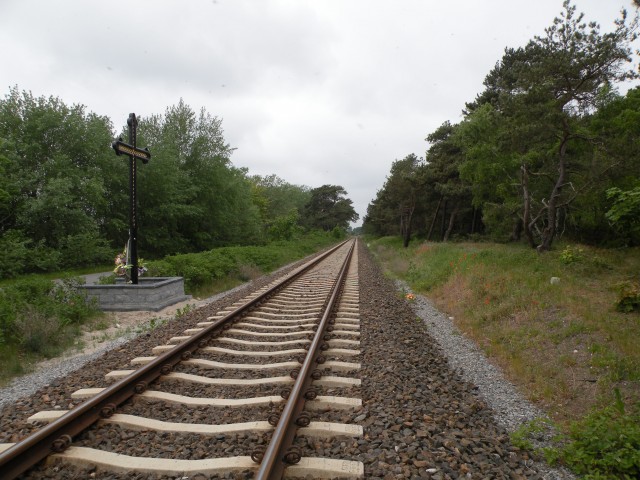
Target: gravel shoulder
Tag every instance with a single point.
(510, 408)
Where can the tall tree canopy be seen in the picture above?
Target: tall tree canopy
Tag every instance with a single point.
(281, 205)
(53, 206)
(393, 209)
(191, 197)
(534, 109)
(547, 147)
(64, 194)
(329, 208)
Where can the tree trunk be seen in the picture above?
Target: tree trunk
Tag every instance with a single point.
(526, 210)
(435, 217)
(444, 219)
(452, 219)
(517, 230)
(406, 218)
(549, 232)
(473, 221)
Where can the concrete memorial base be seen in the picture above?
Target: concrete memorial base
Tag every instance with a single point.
(150, 294)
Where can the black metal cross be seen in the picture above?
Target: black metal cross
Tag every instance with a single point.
(134, 152)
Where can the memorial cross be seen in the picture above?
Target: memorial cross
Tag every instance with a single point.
(143, 154)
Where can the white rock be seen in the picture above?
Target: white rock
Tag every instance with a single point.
(555, 280)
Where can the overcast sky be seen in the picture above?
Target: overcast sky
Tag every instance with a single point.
(316, 92)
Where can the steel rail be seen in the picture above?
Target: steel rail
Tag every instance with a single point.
(276, 457)
(58, 435)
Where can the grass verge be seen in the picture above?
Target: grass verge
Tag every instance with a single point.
(41, 319)
(217, 270)
(550, 321)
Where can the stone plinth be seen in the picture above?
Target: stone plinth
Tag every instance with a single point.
(151, 294)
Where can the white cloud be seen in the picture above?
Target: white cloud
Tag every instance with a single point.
(317, 92)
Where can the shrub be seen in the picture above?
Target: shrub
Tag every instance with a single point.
(43, 259)
(161, 268)
(107, 280)
(200, 269)
(606, 444)
(629, 297)
(39, 298)
(39, 333)
(571, 255)
(284, 227)
(338, 233)
(14, 253)
(69, 303)
(85, 249)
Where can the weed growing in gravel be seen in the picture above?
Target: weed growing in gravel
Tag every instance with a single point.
(181, 312)
(529, 435)
(152, 324)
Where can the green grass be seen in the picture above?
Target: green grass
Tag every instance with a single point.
(55, 275)
(566, 345)
(604, 444)
(40, 318)
(223, 268)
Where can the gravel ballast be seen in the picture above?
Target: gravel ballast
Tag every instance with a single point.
(430, 410)
(435, 407)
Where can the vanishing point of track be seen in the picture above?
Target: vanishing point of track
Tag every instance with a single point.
(284, 359)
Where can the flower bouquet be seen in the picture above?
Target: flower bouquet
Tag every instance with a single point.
(123, 268)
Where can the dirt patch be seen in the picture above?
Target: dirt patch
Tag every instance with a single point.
(112, 325)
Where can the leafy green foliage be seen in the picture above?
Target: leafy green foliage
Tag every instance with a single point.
(534, 112)
(191, 197)
(277, 198)
(571, 254)
(338, 233)
(625, 211)
(35, 314)
(64, 199)
(629, 297)
(200, 269)
(529, 433)
(327, 208)
(605, 444)
(39, 318)
(52, 195)
(14, 253)
(284, 227)
(395, 204)
(537, 150)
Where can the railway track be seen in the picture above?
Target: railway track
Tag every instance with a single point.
(245, 393)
